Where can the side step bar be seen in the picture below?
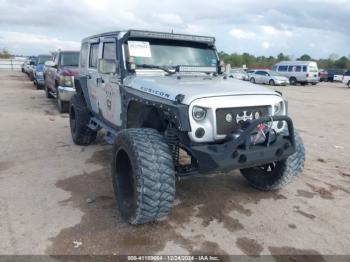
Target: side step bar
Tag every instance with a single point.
(96, 124)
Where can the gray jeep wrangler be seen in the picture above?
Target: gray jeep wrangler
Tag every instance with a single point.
(171, 113)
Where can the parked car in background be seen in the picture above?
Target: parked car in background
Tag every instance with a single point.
(59, 77)
(32, 65)
(335, 72)
(338, 77)
(346, 78)
(268, 77)
(23, 66)
(38, 72)
(323, 75)
(250, 72)
(303, 72)
(238, 74)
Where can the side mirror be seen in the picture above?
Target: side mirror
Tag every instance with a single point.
(49, 64)
(107, 66)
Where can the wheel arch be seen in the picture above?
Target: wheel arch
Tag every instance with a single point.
(81, 89)
(141, 110)
(141, 115)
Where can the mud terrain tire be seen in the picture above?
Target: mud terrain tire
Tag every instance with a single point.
(143, 175)
(278, 174)
(79, 117)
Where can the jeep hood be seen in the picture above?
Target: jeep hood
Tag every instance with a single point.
(194, 87)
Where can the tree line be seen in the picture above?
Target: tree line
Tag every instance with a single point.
(4, 53)
(251, 61)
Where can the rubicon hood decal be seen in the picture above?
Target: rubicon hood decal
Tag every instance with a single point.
(155, 92)
(193, 87)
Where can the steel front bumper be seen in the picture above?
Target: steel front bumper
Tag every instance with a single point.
(238, 152)
(65, 92)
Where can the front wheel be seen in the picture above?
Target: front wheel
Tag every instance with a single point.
(349, 84)
(273, 176)
(143, 175)
(272, 82)
(252, 80)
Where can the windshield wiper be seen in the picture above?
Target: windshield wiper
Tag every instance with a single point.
(157, 67)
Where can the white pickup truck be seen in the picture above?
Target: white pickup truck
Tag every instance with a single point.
(346, 78)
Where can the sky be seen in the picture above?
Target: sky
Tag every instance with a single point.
(319, 28)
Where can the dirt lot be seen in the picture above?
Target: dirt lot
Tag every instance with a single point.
(53, 193)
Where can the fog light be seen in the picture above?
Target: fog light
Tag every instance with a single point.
(200, 132)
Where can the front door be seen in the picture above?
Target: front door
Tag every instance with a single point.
(110, 87)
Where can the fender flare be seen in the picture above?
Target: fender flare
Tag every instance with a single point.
(175, 112)
(80, 83)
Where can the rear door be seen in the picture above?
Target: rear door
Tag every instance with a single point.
(313, 72)
(265, 77)
(258, 76)
(92, 76)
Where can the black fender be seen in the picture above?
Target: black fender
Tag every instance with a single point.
(80, 83)
(175, 112)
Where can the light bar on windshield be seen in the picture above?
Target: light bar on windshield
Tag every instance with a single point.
(171, 36)
(206, 69)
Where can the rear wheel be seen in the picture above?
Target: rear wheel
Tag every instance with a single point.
(349, 84)
(79, 118)
(293, 81)
(272, 82)
(273, 176)
(143, 175)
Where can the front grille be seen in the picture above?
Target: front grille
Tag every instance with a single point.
(240, 117)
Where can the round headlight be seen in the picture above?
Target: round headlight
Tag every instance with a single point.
(198, 113)
(278, 108)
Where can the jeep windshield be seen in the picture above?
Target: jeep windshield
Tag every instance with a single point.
(165, 54)
(69, 59)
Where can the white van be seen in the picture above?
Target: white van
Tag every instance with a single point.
(302, 72)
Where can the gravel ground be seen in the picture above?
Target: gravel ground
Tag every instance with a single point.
(57, 198)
